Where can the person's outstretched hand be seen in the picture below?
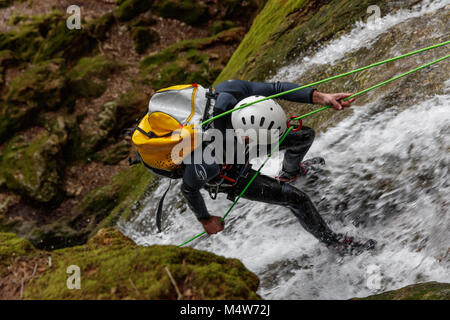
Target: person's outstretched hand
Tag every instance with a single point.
(333, 99)
(213, 225)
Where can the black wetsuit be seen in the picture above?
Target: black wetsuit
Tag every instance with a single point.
(263, 189)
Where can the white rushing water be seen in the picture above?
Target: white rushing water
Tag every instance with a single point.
(387, 178)
(363, 35)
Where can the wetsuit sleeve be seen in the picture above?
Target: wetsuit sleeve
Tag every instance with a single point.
(268, 89)
(241, 89)
(194, 179)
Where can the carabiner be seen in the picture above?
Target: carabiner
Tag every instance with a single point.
(300, 123)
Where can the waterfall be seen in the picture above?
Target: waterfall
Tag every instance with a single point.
(387, 178)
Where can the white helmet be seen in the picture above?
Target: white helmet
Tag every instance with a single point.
(266, 118)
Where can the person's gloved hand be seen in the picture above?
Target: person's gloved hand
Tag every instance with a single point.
(333, 99)
(213, 225)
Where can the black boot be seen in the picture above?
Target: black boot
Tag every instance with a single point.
(349, 246)
(310, 165)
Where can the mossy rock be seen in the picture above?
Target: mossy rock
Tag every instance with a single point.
(15, 19)
(99, 28)
(189, 11)
(43, 86)
(27, 39)
(103, 207)
(187, 61)
(7, 58)
(24, 41)
(131, 106)
(421, 291)
(113, 154)
(13, 246)
(143, 38)
(113, 117)
(113, 267)
(220, 26)
(145, 20)
(88, 76)
(62, 42)
(128, 9)
(33, 168)
(7, 3)
(185, 71)
(171, 53)
(94, 133)
(273, 37)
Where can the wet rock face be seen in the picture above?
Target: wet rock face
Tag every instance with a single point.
(421, 291)
(113, 267)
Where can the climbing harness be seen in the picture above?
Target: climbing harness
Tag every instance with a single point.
(290, 127)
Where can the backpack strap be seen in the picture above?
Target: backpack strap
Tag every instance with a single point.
(160, 208)
(147, 134)
(210, 96)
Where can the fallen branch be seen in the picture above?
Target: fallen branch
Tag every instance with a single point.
(180, 296)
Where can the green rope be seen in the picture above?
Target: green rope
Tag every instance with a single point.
(326, 80)
(307, 115)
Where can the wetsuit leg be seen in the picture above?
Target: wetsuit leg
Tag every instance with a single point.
(268, 190)
(296, 145)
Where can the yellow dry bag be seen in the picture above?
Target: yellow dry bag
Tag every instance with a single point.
(173, 121)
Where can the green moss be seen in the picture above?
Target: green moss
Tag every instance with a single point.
(131, 185)
(130, 107)
(265, 24)
(172, 52)
(129, 9)
(26, 40)
(13, 246)
(143, 38)
(187, 61)
(87, 77)
(220, 26)
(62, 42)
(43, 86)
(189, 11)
(146, 20)
(421, 291)
(7, 3)
(15, 19)
(113, 154)
(95, 133)
(32, 169)
(102, 207)
(7, 58)
(100, 27)
(112, 267)
(274, 36)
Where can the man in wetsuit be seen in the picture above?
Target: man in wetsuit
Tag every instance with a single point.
(266, 189)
